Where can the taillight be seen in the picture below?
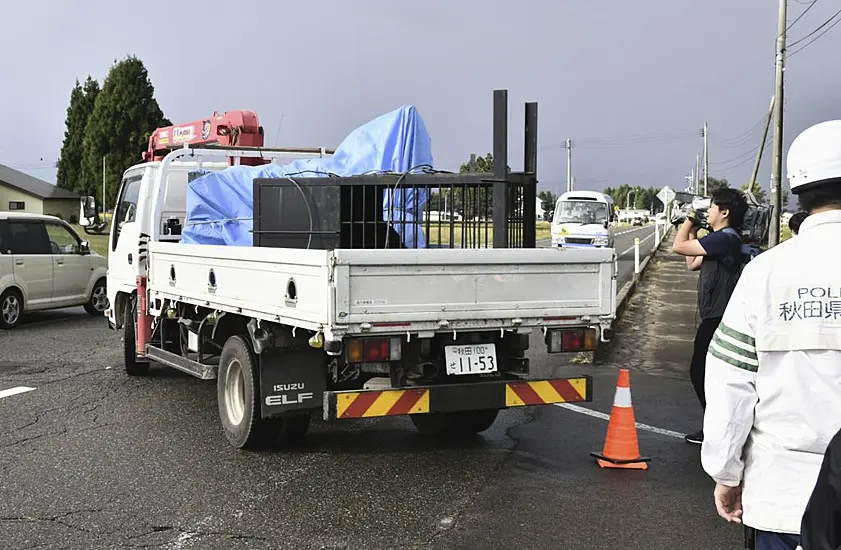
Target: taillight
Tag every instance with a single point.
(571, 339)
(374, 350)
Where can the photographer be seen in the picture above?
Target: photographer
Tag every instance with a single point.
(718, 256)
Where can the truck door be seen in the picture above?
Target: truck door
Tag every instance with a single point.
(33, 263)
(125, 232)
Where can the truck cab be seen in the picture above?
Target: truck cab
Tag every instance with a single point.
(583, 219)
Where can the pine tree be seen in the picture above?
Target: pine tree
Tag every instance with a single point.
(124, 115)
(82, 99)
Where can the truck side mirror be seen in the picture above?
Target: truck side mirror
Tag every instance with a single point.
(84, 248)
(87, 212)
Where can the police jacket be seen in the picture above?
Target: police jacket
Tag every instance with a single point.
(773, 376)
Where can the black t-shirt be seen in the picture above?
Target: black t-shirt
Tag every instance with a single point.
(821, 526)
(719, 272)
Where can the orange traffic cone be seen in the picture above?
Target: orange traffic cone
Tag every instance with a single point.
(621, 447)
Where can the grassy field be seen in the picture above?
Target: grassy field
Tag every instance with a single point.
(478, 233)
(99, 243)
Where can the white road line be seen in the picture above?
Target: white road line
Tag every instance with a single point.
(633, 229)
(14, 391)
(632, 248)
(603, 416)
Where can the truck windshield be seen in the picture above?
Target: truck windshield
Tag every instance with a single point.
(581, 212)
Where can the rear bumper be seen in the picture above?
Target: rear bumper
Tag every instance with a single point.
(501, 394)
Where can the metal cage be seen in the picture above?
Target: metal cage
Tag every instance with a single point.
(420, 209)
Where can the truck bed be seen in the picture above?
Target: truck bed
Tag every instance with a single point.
(391, 291)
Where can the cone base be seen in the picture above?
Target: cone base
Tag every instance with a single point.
(626, 466)
(638, 463)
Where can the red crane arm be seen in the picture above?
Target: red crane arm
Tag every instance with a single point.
(231, 128)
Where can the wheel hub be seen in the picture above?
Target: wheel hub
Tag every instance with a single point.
(235, 392)
(99, 299)
(10, 309)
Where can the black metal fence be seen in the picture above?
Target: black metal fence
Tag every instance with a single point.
(420, 209)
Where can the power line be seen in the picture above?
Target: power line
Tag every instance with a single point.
(825, 23)
(807, 44)
(799, 17)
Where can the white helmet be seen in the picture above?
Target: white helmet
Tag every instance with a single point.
(815, 156)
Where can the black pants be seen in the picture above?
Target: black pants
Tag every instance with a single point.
(765, 540)
(697, 367)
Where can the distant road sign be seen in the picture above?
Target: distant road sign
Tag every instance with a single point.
(666, 195)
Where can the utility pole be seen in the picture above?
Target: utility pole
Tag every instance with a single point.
(696, 175)
(103, 187)
(568, 146)
(693, 184)
(777, 154)
(754, 184)
(706, 158)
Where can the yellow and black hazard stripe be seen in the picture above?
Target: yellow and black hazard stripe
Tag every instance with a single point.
(546, 392)
(367, 404)
(455, 397)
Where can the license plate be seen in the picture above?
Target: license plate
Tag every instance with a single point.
(471, 359)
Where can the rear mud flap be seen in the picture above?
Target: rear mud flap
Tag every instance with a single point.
(291, 380)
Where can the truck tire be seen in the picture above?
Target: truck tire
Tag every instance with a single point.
(474, 422)
(238, 397)
(454, 423)
(134, 366)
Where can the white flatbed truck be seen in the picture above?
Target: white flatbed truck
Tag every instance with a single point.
(291, 333)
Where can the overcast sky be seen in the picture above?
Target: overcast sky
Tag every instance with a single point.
(601, 70)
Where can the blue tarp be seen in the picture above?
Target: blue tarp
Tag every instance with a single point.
(220, 204)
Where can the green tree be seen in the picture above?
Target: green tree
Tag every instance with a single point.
(714, 184)
(548, 200)
(125, 113)
(636, 197)
(756, 189)
(82, 99)
(472, 203)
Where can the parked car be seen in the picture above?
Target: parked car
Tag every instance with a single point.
(44, 264)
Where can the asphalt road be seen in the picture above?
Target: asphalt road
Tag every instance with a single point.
(91, 458)
(624, 245)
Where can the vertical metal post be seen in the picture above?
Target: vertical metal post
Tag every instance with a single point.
(530, 186)
(706, 159)
(656, 233)
(500, 186)
(103, 188)
(568, 147)
(636, 257)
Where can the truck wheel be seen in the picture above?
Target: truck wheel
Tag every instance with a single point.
(473, 422)
(238, 396)
(291, 429)
(134, 366)
(98, 301)
(454, 423)
(433, 423)
(11, 309)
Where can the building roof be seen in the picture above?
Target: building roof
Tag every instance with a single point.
(32, 185)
